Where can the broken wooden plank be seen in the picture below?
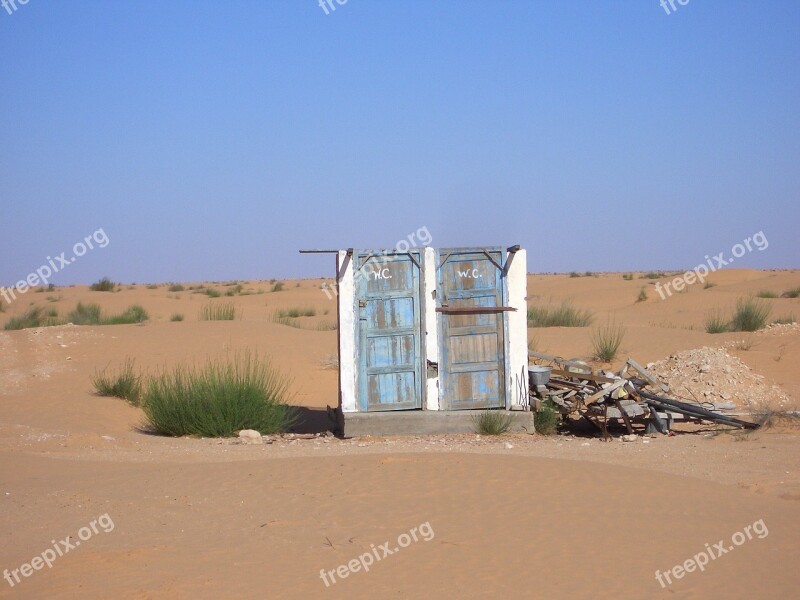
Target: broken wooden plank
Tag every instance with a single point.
(648, 375)
(604, 392)
(595, 378)
(554, 358)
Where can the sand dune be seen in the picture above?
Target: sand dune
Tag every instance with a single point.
(548, 518)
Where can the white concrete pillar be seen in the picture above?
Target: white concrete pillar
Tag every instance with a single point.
(517, 361)
(348, 351)
(431, 330)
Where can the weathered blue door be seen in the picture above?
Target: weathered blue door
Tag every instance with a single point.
(471, 326)
(389, 326)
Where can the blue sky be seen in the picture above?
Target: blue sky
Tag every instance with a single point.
(213, 140)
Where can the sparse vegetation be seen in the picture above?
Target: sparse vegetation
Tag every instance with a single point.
(176, 317)
(90, 314)
(104, 285)
(785, 320)
(574, 274)
(326, 326)
(627, 276)
(751, 315)
(716, 322)
(708, 285)
(212, 293)
(277, 287)
(35, 316)
(219, 399)
(793, 293)
(642, 295)
(652, 275)
(607, 340)
(492, 422)
(176, 287)
(766, 294)
(223, 311)
(125, 384)
(295, 313)
(236, 289)
(545, 421)
(564, 315)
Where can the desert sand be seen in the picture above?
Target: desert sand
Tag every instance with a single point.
(519, 516)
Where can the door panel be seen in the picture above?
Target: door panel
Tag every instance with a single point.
(473, 358)
(389, 331)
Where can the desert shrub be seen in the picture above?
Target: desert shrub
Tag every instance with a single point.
(152, 286)
(642, 295)
(224, 311)
(751, 315)
(766, 294)
(35, 316)
(104, 285)
(133, 314)
(793, 293)
(176, 287)
(492, 422)
(606, 341)
(708, 285)
(282, 318)
(326, 326)
(716, 322)
(295, 313)
(574, 274)
(627, 276)
(564, 315)
(91, 314)
(545, 421)
(125, 383)
(85, 314)
(212, 293)
(176, 317)
(652, 275)
(277, 286)
(236, 289)
(219, 399)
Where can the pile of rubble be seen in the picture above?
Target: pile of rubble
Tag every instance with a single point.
(712, 375)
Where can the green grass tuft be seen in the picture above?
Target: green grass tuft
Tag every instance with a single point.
(545, 421)
(125, 384)
(277, 286)
(708, 285)
(793, 293)
(627, 276)
(219, 399)
(642, 295)
(212, 293)
(35, 316)
(104, 285)
(176, 287)
(176, 317)
(564, 315)
(751, 315)
(766, 294)
(607, 340)
(716, 322)
(492, 422)
(224, 311)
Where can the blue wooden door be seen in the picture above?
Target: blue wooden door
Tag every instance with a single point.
(389, 326)
(472, 363)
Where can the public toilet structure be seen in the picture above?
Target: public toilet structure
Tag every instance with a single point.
(429, 336)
